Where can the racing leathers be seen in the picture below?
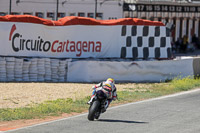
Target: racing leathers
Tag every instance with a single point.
(108, 88)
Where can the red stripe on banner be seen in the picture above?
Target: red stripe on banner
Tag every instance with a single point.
(73, 20)
(12, 30)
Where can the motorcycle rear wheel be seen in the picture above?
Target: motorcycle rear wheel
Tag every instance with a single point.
(93, 109)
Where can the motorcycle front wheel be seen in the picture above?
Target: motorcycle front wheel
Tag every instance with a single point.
(93, 109)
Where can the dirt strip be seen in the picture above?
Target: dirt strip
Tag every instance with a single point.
(10, 125)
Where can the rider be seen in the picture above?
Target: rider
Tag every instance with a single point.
(108, 88)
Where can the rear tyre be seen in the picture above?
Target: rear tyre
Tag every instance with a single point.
(97, 116)
(93, 109)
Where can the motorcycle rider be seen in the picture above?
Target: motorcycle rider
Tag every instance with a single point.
(109, 90)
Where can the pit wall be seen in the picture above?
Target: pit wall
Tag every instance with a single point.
(66, 70)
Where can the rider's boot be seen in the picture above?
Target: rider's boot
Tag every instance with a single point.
(90, 101)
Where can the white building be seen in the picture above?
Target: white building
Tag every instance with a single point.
(47, 8)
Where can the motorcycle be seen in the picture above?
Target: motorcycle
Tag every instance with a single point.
(97, 105)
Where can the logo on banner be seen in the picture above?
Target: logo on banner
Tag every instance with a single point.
(20, 43)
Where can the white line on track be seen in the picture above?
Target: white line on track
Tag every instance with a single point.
(148, 100)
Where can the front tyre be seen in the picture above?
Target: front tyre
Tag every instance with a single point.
(93, 109)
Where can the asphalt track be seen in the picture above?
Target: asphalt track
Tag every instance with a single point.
(179, 113)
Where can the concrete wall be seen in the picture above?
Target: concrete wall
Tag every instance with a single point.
(128, 71)
(66, 70)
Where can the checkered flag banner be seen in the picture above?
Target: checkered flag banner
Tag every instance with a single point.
(146, 42)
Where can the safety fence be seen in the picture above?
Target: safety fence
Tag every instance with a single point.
(75, 49)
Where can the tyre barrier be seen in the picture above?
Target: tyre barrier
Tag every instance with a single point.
(33, 69)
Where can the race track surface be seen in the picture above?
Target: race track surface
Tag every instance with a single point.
(179, 113)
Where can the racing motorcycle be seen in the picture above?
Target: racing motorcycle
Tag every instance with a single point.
(98, 105)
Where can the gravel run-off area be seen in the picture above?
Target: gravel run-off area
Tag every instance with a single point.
(13, 95)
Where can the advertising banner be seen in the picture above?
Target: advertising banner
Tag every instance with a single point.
(84, 41)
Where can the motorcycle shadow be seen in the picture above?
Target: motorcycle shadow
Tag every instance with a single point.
(122, 121)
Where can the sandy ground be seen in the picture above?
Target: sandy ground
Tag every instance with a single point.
(14, 95)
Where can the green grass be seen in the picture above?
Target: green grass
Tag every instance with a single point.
(185, 83)
(48, 108)
(59, 106)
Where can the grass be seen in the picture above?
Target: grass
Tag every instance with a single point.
(48, 108)
(59, 106)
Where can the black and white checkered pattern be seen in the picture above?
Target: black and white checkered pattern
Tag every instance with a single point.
(146, 42)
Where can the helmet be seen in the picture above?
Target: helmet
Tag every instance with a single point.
(111, 80)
